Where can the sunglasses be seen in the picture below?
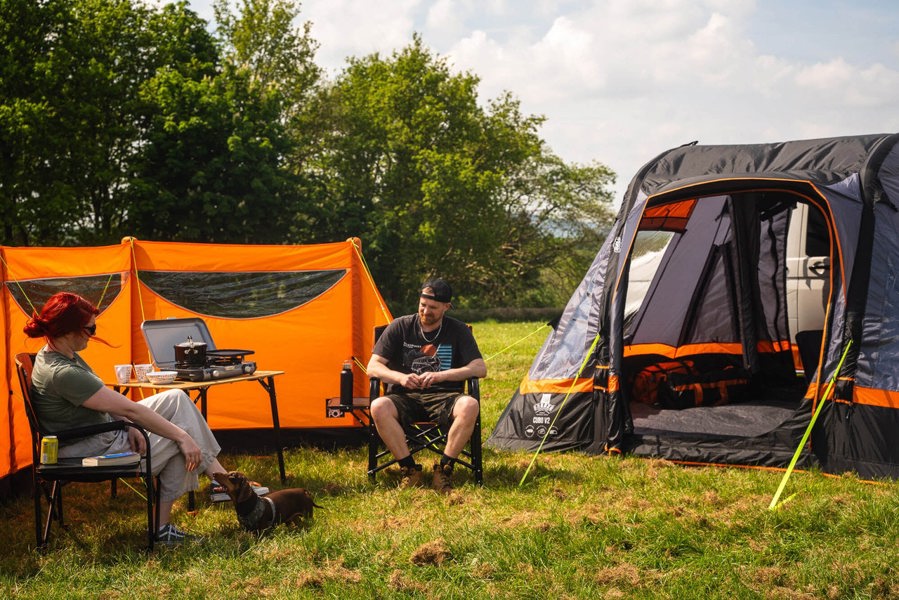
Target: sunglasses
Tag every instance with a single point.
(91, 329)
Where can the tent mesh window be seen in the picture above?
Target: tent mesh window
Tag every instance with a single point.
(101, 290)
(241, 294)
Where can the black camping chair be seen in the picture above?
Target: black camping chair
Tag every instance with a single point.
(48, 480)
(425, 435)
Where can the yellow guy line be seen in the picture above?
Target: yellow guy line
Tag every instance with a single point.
(105, 289)
(360, 365)
(539, 329)
(808, 430)
(134, 489)
(561, 406)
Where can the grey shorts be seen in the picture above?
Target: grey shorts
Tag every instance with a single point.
(425, 406)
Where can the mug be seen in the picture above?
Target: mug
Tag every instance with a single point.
(123, 373)
(140, 371)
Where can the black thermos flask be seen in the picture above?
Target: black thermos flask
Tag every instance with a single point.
(346, 384)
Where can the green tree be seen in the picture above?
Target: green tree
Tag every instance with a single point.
(560, 213)
(71, 93)
(211, 167)
(216, 164)
(214, 167)
(36, 56)
(103, 62)
(436, 184)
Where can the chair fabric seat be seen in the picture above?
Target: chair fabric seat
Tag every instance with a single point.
(426, 435)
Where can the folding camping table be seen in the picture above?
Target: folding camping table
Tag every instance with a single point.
(265, 378)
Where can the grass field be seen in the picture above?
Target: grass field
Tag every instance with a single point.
(580, 527)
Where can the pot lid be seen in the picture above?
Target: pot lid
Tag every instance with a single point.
(191, 343)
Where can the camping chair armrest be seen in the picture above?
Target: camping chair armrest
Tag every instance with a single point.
(374, 387)
(80, 432)
(474, 388)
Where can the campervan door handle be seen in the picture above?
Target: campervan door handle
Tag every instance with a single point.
(819, 268)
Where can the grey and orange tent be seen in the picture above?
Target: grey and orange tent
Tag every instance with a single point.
(702, 368)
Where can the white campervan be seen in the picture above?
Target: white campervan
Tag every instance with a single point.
(808, 269)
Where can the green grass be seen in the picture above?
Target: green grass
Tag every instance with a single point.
(581, 527)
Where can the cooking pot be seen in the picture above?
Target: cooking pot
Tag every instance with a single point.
(190, 353)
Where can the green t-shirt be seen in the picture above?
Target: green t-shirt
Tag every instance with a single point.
(60, 385)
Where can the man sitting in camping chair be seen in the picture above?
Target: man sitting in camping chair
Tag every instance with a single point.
(426, 358)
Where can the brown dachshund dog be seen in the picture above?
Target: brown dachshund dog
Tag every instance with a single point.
(259, 513)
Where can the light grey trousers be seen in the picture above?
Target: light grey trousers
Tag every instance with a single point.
(168, 462)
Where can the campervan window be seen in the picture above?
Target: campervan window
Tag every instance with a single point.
(649, 248)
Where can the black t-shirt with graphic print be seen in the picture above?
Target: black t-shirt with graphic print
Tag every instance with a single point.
(407, 351)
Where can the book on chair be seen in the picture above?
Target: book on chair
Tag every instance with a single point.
(109, 460)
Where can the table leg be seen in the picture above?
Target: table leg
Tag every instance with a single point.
(269, 384)
(201, 398)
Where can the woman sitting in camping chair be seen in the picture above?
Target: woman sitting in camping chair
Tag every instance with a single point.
(68, 394)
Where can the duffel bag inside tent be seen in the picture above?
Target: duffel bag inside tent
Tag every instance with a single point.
(681, 340)
(300, 309)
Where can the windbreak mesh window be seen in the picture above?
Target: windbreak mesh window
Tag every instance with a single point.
(101, 290)
(240, 295)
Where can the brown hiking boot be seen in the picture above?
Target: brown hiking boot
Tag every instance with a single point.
(410, 477)
(443, 478)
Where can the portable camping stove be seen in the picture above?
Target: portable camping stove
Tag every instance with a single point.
(161, 336)
(220, 364)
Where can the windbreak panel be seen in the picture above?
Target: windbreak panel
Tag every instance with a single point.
(241, 295)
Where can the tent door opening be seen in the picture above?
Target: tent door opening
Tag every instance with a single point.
(710, 323)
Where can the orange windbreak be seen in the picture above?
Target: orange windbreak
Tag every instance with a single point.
(309, 342)
(765, 346)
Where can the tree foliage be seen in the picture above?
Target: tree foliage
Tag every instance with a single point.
(435, 184)
(118, 117)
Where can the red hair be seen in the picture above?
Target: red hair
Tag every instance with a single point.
(63, 313)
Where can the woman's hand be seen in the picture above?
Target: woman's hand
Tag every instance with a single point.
(191, 452)
(136, 441)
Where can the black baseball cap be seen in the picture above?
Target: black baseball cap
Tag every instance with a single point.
(440, 290)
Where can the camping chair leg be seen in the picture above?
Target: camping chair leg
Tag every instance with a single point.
(54, 510)
(152, 510)
(38, 491)
(476, 460)
(57, 495)
(373, 441)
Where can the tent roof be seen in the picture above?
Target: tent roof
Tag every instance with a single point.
(824, 161)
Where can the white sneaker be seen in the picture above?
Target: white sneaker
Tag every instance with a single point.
(170, 535)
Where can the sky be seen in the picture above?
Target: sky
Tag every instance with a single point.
(620, 81)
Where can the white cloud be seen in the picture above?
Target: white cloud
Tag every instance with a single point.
(622, 80)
